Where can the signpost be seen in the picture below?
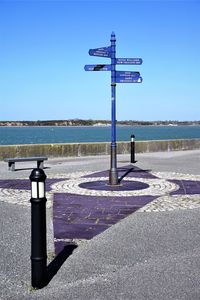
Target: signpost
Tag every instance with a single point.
(116, 77)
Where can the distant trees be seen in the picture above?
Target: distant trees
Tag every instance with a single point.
(90, 122)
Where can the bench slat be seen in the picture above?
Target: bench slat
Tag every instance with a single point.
(18, 159)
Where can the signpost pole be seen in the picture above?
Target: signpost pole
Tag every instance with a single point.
(119, 77)
(113, 174)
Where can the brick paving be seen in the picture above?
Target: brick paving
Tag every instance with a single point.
(84, 204)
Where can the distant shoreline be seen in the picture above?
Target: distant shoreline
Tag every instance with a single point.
(92, 126)
(93, 123)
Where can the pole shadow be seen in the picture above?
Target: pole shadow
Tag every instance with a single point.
(129, 170)
(125, 174)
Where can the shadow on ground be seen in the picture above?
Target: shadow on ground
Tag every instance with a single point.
(57, 263)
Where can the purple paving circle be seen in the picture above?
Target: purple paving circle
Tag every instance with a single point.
(103, 185)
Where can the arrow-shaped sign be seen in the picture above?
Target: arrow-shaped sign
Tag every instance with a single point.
(103, 52)
(97, 67)
(128, 61)
(128, 80)
(130, 74)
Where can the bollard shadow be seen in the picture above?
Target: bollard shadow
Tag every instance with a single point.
(28, 168)
(58, 261)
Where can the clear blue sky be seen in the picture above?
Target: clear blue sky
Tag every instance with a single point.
(44, 47)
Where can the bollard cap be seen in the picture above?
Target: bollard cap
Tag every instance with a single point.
(38, 175)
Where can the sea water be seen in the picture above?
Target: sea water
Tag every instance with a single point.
(76, 134)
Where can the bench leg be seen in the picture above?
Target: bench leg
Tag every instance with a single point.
(40, 164)
(11, 166)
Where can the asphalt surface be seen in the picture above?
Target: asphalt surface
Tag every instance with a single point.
(152, 255)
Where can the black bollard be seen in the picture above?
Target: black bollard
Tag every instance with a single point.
(38, 229)
(133, 149)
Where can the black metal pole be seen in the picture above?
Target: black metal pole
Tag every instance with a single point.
(38, 229)
(133, 148)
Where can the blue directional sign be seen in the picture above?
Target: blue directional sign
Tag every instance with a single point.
(128, 80)
(97, 67)
(129, 74)
(116, 77)
(128, 61)
(103, 52)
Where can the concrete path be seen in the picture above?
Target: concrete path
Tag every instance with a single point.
(138, 241)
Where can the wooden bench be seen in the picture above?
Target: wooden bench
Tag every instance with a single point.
(11, 161)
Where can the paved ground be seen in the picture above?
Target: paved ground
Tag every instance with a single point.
(139, 240)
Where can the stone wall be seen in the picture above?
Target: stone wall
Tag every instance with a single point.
(88, 149)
